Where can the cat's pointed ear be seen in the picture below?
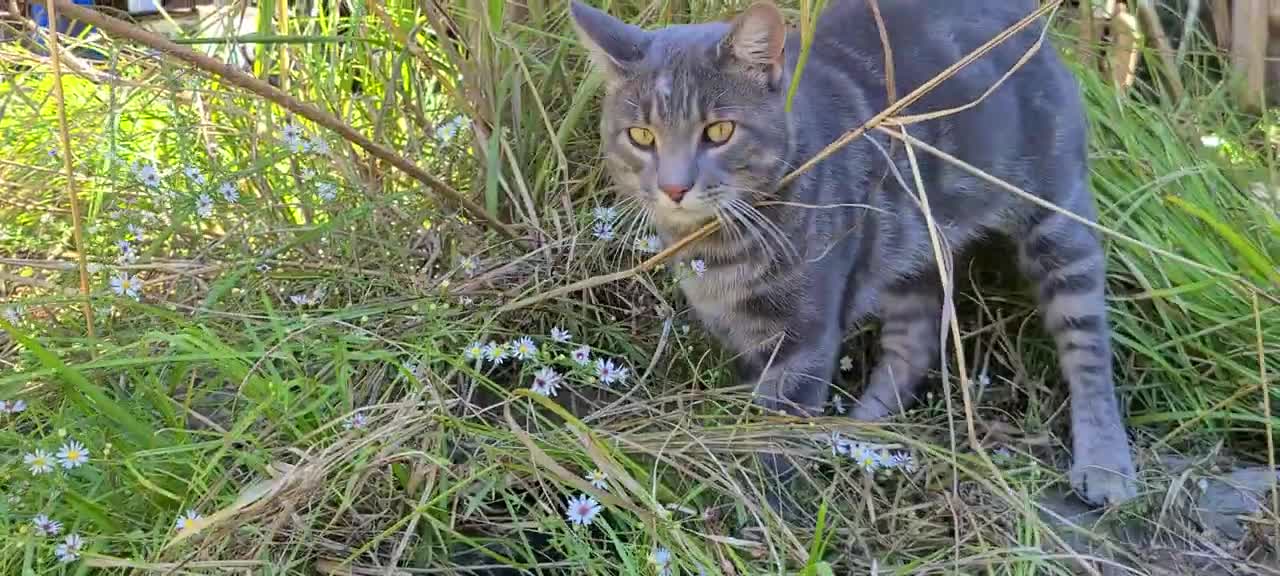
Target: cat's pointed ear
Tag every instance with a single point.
(756, 41)
(614, 44)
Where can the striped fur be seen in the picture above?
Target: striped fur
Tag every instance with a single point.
(848, 241)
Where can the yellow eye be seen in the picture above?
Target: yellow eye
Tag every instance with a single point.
(642, 137)
(720, 132)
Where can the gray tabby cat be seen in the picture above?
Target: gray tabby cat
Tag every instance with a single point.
(694, 128)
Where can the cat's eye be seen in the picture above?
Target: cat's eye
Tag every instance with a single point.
(719, 132)
(642, 137)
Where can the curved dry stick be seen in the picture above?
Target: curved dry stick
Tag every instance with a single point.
(77, 223)
(309, 111)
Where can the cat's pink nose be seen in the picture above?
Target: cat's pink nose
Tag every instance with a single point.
(674, 191)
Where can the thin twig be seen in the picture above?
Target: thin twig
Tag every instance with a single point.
(321, 117)
(77, 223)
(890, 86)
(1266, 417)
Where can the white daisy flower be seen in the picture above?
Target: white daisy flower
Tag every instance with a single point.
(448, 130)
(902, 461)
(326, 191)
(609, 373)
(46, 527)
(602, 230)
(837, 404)
(650, 244)
(125, 285)
(524, 348)
(292, 136)
(699, 267)
(318, 145)
(229, 192)
(866, 458)
(303, 299)
(356, 421)
(4, 406)
(582, 510)
(204, 206)
(495, 352)
(561, 335)
(546, 382)
(73, 455)
(188, 520)
(17, 406)
(846, 363)
(839, 445)
(193, 174)
(134, 230)
(12, 315)
(39, 462)
(474, 351)
(984, 380)
(69, 550)
(661, 558)
(148, 175)
(468, 264)
(605, 214)
(581, 355)
(1211, 141)
(598, 479)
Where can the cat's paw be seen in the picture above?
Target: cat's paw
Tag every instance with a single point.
(1104, 479)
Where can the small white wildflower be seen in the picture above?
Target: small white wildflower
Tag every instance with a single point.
(561, 335)
(605, 214)
(229, 192)
(602, 230)
(448, 130)
(846, 363)
(69, 550)
(649, 244)
(39, 462)
(308, 174)
(699, 267)
(204, 206)
(466, 300)
(661, 558)
(125, 285)
(495, 352)
(546, 382)
(1211, 141)
(134, 230)
(318, 145)
(582, 510)
(292, 136)
(474, 351)
(326, 191)
(984, 380)
(839, 445)
(73, 455)
(188, 520)
(865, 457)
(524, 348)
(4, 406)
(17, 406)
(12, 315)
(148, 175)
(303, 299)
(468, 264)
(609, 373)
(356, 421)
(598, 479)
(902, 461)
(837, 404)
(44, 526)
(581, 355)
(193, 174)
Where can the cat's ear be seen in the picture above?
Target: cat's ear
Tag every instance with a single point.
(755, 43)
(614, 44)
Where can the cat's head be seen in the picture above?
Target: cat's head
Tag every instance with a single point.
(693, 120)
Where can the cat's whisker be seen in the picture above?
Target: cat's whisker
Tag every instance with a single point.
(767, 226)
(735, 209)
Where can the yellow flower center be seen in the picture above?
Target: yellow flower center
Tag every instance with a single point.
(73, 455)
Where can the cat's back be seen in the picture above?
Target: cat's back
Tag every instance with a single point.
(926, 37)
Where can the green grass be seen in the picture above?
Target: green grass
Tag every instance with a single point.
(215, 392)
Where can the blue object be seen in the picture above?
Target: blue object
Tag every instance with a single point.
(70, 28)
